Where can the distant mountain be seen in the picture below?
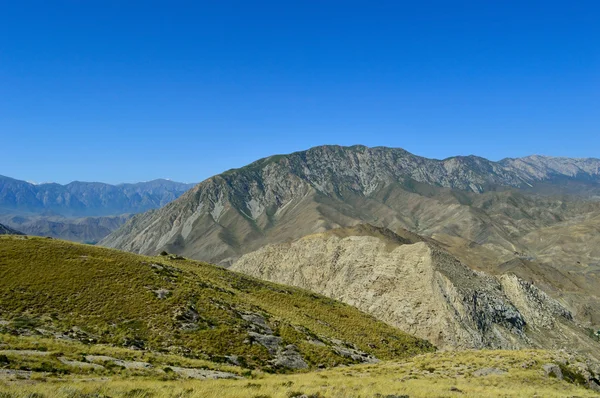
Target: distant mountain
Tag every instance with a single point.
(287, 196)
(83, 229)
(82, 199)
(4, 230)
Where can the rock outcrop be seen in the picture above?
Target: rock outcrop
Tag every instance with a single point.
(420, 288)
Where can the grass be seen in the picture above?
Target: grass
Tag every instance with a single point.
(61, 302)
(442, 374)
(106, 297)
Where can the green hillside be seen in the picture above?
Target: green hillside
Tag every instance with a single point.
(168, 305)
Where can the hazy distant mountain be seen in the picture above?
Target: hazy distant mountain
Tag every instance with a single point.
(79, 199)
(84, 229)
(79, 211)
(4, 230)
(288, 196)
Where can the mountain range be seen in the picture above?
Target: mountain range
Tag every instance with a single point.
(454, 254)
(80, 199)
(288, 196)
(79, 211)
(518, 236)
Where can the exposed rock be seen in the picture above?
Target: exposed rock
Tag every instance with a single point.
(487, 214)
(118, 362)
(416, 287)
(258, 321)
(100, 358)
(10, 374)
(79, 364)
(553, 370)
(201, 374)
(345, 350)
(233, 359)
(420, 288)
(538, 309)
(488, 372)
(289, 357)
(187, 318)
(270, 342)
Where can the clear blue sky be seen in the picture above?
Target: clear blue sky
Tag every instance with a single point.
(121, 91)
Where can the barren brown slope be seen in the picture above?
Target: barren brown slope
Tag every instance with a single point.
(419, 287)
(286, 197)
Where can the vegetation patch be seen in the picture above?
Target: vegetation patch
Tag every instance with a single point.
(99, 296)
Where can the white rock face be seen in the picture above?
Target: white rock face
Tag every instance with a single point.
(217, 210)
(535, 167)
(417, 287)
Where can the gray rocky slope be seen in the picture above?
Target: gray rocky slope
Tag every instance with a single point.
(412, 283)
(288, 196)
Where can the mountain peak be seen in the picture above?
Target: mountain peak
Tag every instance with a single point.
(325, 187)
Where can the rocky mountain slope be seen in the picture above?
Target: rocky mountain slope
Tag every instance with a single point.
(412, 283)
(170, 305)
(477, 201)
(79, 199)
(4, 230)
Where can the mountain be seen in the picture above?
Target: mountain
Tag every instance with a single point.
(172, 306)
(4, 230)
(81, 199)
(536, 218)
(283, 197)
(79, 211)
(412, 283)
(83, 229)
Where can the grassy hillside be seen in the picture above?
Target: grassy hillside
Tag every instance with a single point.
(466, 374)
(169, 305)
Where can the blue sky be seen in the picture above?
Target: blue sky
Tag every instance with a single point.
(122, 91)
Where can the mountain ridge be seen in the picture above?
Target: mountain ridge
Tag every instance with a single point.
(79, 199)
(337, 185)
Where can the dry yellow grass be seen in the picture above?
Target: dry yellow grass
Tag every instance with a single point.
(442, 374)
(111, 297)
